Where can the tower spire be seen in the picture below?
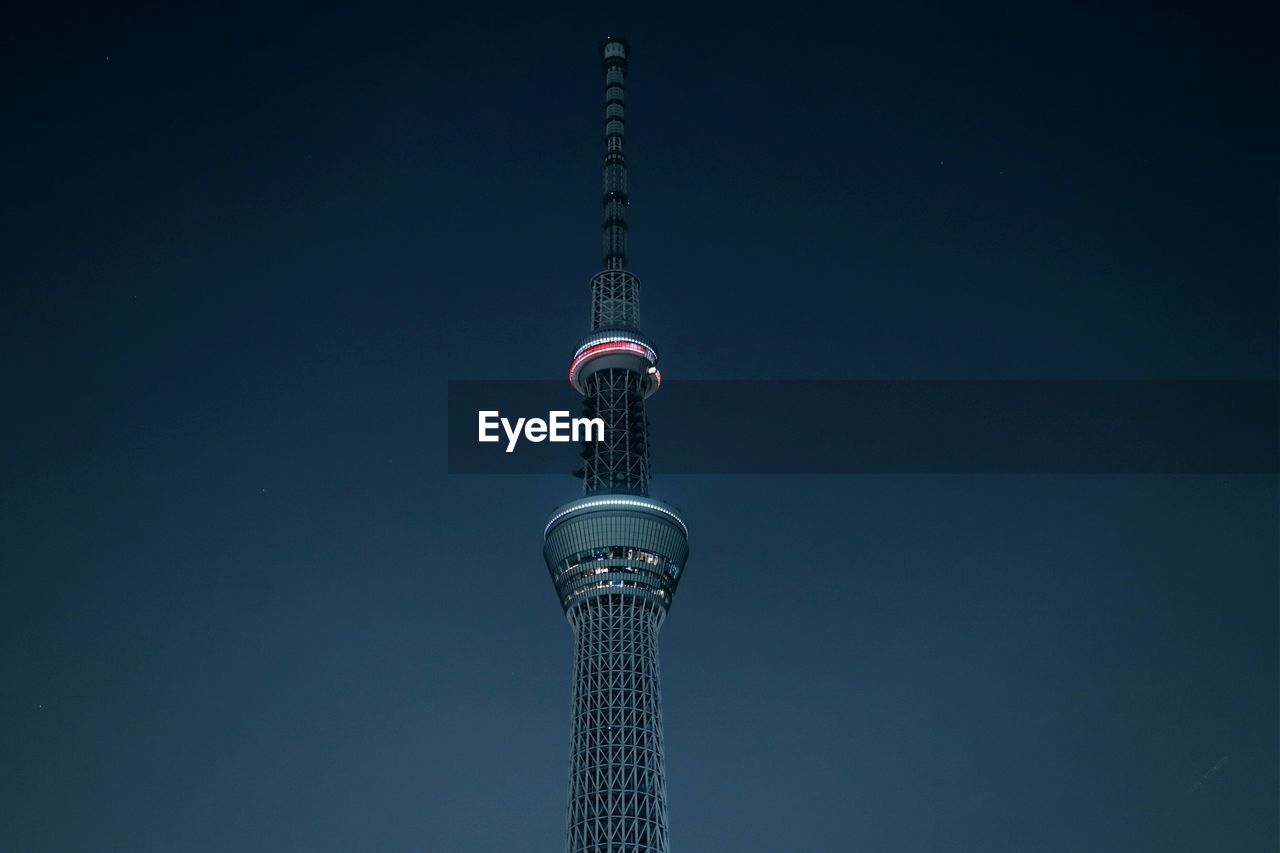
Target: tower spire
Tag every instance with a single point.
(614, 52)
(615, 292)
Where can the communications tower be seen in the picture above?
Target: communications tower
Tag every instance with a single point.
(616, 554)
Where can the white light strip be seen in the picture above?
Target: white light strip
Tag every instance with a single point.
(612, 339)
(615, 502)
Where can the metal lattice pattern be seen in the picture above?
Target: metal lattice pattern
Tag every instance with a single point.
(620, 463)
(617, 775)
(615, 300)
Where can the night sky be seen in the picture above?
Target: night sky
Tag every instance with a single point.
(246, 608)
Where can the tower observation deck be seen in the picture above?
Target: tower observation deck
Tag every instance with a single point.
(616, 554)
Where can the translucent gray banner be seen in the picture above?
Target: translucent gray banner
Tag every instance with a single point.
(916, 427)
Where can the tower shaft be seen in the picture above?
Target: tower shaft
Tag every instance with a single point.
(620, 463)
(617, 778)
(615, 554)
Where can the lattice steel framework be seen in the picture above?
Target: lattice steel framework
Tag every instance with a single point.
(616, 555)
(617, 781)
(620, 463)
(615, 299)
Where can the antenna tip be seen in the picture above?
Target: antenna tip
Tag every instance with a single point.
(614, 46)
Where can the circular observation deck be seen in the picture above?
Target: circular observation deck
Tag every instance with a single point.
(615, 545)
(615, 349)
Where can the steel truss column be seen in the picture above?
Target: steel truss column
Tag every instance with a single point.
(617, 776)
(620, 463)
(615, 300)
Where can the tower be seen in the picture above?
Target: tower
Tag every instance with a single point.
(616, 554)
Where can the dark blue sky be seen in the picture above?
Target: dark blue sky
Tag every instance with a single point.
(246, 608)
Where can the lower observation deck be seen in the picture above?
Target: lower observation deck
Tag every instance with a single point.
(615, 545)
